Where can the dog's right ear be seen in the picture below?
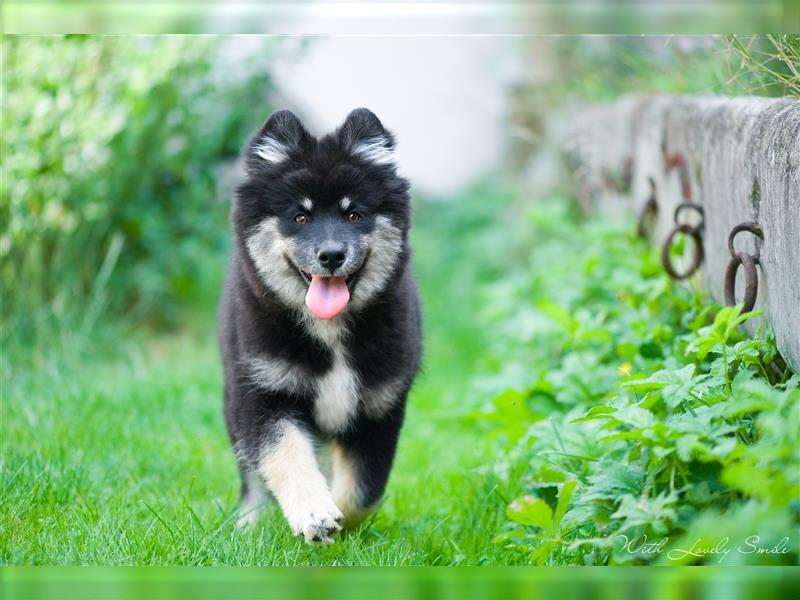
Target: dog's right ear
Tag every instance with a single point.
(281, 137)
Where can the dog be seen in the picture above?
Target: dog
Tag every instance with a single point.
(320, 321)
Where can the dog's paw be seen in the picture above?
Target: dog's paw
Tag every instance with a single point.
(317, 522)
(248, 519)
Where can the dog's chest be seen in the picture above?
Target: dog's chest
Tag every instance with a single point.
(337, 391)
(337, 394)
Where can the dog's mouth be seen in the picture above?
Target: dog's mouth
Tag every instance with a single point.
(308, 277)
(328, 296)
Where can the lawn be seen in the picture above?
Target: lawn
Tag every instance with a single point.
(573, 403)
(115, 452)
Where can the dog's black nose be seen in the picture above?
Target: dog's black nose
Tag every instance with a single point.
(331, 256)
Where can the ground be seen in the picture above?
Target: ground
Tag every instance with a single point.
(115, 450)
(570, 392)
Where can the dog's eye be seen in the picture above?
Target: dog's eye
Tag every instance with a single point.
(301, 219)
(353, 216)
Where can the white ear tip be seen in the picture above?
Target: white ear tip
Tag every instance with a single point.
(374, 151)
(271, 150)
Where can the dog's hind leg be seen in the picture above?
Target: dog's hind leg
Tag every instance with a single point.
(361, 465)
(253, 498)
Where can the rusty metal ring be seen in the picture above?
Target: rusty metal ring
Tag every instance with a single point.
(627, 173)
(675, 161)
(649, 211)
(693, 206)
(686, 184)
(751, 281)
(610, 182)
(698, 251)
(749, 226)
(678, 161)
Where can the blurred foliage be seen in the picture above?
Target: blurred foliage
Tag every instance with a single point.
(606, 67)
(602, 68)
(642, 412)
(111, 155)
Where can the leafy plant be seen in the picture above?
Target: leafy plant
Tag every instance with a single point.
(535, 512)
(649, 402)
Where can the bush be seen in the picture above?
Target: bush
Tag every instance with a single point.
(641, 411)
(110, 156)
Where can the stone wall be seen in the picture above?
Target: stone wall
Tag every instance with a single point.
(738, 158)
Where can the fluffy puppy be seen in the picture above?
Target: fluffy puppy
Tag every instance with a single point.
(319, 320)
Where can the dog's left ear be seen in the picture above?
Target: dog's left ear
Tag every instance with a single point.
(366, 138)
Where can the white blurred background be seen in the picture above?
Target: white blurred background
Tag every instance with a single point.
(446, 98)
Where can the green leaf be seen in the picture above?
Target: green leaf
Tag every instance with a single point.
(675, 384)
(686, 446)
(564, 496)
(511, 413)
(635, 416)
(533, 511)
(658, 513)
(611, 479)
(543, 552)
(548, 476)
(559, 315)
(596, 412)
(748, 478)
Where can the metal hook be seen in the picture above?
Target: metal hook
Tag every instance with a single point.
(695, 231)
(749, 262)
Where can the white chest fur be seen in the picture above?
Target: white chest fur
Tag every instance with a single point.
(337, 391)
(337, 394)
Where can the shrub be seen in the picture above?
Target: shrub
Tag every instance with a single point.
(642, 412)
(110, 155)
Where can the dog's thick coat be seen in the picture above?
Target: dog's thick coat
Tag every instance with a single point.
(318, 213)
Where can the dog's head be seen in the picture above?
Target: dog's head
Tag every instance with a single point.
(323, 221)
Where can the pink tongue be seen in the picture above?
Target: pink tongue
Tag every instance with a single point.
(327, 296)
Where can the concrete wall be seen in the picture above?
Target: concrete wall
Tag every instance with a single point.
(742, 158)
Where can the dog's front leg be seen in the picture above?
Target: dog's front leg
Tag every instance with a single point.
(289, 468)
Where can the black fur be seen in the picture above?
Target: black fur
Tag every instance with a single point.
(383, 340)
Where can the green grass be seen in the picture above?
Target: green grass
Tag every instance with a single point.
(114, 449)
(570, 394)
